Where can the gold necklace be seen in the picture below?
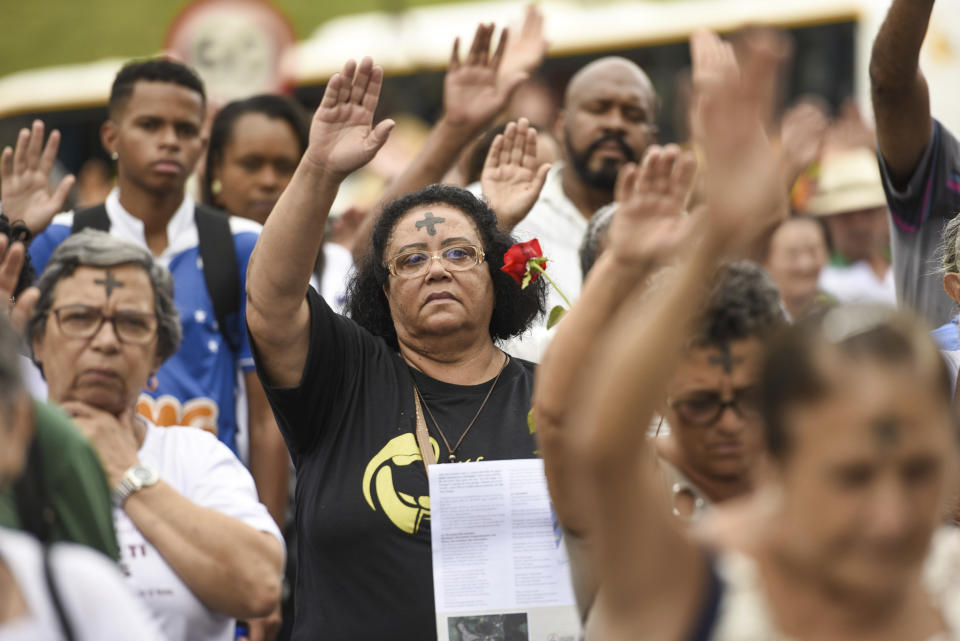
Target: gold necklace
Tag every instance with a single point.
(452, 458)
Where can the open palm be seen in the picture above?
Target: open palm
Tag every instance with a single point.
(475, 90)
(342, 135)
(25, 179)
(511, 179)
(648, 225)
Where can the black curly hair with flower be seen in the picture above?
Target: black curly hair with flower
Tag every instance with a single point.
(514, 309)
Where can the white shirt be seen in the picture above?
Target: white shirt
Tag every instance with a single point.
(858, 283)
(560, 227)
(96, 602)
(205, 471)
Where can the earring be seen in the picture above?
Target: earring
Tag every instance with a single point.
(216, 187)
(152, 383)
(114, 156)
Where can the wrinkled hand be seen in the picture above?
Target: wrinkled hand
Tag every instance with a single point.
(745, 194)
(342, 136)
(25, 179)
(12, 258)
(802, 134)
(511, 180)
(525, 52)
(649, 225)
(265, 628)
(476, 90)
(114, 441)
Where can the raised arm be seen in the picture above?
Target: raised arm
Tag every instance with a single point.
(342, 139)
(901, 101)
(651, 577)
(475, 91)
(646, 231)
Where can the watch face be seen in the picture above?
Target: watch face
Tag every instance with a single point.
(143, 474)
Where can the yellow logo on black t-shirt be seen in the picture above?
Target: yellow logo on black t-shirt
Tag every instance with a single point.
(404, 510)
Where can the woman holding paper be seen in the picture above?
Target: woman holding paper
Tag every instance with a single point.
(413, 376)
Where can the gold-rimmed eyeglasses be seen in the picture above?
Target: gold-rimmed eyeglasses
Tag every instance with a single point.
(83, 321)
(416, 262)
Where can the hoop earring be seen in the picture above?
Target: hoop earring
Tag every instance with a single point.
(152, 383)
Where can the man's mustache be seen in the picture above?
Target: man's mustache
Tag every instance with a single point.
(617, 138)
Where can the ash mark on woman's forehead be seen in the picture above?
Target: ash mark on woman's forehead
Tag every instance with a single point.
(430, 222)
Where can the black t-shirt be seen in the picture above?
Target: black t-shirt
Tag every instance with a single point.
(363, 509)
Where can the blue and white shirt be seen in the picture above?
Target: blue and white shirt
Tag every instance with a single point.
(200, 385)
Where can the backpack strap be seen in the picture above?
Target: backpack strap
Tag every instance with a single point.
(219, 256)
(91, 218)
(55, 595)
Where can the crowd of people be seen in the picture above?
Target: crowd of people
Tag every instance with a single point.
(220, 401)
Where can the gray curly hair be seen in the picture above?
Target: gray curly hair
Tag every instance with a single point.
(92, 248)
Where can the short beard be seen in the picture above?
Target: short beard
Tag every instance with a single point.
(605, 178)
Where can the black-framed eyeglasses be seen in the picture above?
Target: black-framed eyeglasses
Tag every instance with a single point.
(705, 408)
(456, 258)
(83, 321)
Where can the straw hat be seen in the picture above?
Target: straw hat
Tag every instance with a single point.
(849, 181)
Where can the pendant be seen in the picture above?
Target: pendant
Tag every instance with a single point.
(452, 458)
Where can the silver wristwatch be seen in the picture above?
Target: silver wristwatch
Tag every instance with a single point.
(134, 479)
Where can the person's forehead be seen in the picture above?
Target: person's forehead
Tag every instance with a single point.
(613, 82)
(256, 131)
(712, 368)
(432, 224)
(165, 99)
(88, 284)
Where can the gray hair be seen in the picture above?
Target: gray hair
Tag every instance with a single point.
(11, 379)
(596, 234)
(92, 248)
(949, 250)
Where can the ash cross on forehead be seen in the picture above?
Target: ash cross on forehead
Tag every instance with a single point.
(725, 360)
(109, 283)
(430, 222)
(887, 431)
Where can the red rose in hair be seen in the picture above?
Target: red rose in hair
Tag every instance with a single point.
(515, 261)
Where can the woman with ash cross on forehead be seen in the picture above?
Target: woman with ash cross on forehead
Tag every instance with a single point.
(411, 377)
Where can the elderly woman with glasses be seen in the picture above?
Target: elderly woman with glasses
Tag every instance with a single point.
(196, 544)
(414, 375)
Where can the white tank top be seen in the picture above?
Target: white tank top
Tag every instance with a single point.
(744, 614)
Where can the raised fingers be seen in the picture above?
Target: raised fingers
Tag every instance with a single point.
(10, 267)
(372, 95)
(361, 80)
(20, 151)
(349, 70)
(509, 141)
(49, 155)
(519, 143)
(501, 47)
(35, 145)
(493, 160)
(530, 147)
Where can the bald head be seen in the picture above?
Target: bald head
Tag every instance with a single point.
(609, 118)
(612, 69)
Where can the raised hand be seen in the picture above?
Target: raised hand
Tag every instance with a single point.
(511, 179)
(342, 135)
(25, 179)
(525, 52)
(476, 90)
(12, 258)
(649, 224)
(802, 135)
(746, 198)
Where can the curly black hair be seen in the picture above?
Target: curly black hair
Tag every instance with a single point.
(742, 303)
(17, 231)
(513, 308)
